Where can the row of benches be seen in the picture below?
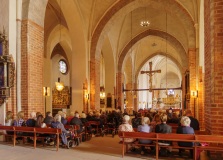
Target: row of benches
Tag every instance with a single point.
(32, 132)
(214, 142)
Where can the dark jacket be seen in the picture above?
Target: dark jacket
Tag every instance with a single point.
(48, 120)
(194, 123)
(185, 130)
(163, 128)
(30, 123)
(77, 121)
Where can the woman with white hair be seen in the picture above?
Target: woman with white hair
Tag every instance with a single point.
(58, 124)
(126, 127)
(185, 129)
(144, 128)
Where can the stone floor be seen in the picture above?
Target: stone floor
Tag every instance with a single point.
(98, 148)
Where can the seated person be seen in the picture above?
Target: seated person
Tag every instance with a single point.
(194, 122)
(70, 117)
(9, 121)
(9, 118)
(185, 129)
(144, 128)
(126, 127)
(156, 120)
(175, 119)
(77, 121)
(63, 118)
(65, 133)
(31, 121)
(163, 128)
(48, 119)
(19, 121)
(137, 120)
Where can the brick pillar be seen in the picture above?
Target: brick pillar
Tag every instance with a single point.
(32, 44)
(94, 84)
(213, 66)
(192, 69)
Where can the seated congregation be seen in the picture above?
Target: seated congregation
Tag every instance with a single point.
(152, 133)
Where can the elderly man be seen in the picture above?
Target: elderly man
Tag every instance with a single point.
(76, 121)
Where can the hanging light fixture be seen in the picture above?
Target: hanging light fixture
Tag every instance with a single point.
(145, 22)
(59, 85)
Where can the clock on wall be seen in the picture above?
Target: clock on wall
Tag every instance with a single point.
(63, 66)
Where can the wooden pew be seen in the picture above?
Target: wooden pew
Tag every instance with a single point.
(34, 133)
(213, 142)
(8, 128)
(156, 137)
(50, 131)
(135, 135)
(174, 138)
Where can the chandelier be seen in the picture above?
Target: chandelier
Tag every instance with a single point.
(59, 85)
(144, 23)
(171, 100)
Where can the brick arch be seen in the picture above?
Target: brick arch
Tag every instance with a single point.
(142, 35)
(163, 54)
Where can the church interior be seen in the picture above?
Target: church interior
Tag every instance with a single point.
(104, 55)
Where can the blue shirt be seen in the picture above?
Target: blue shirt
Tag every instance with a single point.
(144, 128)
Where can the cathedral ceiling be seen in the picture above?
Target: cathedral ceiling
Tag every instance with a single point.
(171, 31)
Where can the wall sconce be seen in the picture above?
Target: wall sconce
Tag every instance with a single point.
(46, 93)
(194, 93)
(87, 96)
(102, 92)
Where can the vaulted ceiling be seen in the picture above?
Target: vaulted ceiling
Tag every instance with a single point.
(171, 32)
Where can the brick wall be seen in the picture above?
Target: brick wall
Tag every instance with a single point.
(32, 43)
(213, 66)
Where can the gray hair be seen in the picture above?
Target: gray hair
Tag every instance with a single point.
(126, 118)
(145, 120)
(33, 115)
(57, 118)
(185, 121)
